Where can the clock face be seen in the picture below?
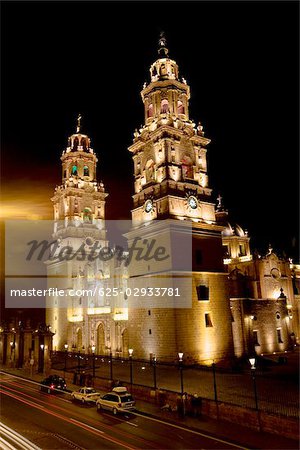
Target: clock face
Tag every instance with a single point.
(148, 206)
(192, 202)
(275, 273)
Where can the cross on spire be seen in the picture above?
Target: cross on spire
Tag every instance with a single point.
(219, 205)
(78, 123)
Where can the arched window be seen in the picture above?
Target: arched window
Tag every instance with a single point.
(74, 170)
(75, 144)
(86, 171)
(187, 168)
(150, 110)
(180, 107)
(125, 342)
(84, 144)
(164, 106)
(163, 70)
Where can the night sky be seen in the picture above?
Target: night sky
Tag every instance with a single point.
(240, 59)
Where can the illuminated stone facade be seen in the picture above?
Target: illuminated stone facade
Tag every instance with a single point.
(79, 220)
(264, 294)
(240, 303)
(171, 184)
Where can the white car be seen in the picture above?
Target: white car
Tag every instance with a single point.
(118, 400)
(86, 395)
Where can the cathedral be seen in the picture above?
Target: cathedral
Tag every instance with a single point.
(234, 303)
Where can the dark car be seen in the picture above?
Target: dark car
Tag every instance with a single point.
(53, 384)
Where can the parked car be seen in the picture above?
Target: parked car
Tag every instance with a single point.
(53, 384)
(118, 400)
(86, 395)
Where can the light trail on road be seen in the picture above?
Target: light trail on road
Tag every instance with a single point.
(72, 421)
(76, 413)
(12, 440)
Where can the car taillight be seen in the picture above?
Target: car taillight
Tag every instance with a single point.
(119, 405)
(52, 386)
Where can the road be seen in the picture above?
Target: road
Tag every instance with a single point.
(54, 422)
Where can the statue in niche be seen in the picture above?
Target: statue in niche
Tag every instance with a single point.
(149, 171)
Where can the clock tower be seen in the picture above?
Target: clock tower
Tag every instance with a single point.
(171, 189)
(169, 151)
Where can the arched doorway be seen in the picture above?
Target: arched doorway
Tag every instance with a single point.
(100, 339)
(125, 343)
(79, 339)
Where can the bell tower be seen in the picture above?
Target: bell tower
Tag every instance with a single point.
(79, 228)
(80, 199)
(169, 151)
(172, 204)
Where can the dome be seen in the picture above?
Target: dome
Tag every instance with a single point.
(234, 230)
(163, 68)
(78, 141)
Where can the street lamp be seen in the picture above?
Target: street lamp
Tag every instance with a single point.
(66, 354)
(130, 351)
(154, 371)
(253, 369)
(12, 351)
(180, 356)
(41, 362)
(111, 364)
(93, 351)
(78, 356)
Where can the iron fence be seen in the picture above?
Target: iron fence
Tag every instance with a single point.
(249, 389)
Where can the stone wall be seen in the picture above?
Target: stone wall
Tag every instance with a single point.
(265, 318)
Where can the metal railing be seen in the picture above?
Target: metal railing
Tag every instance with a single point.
(250, 389)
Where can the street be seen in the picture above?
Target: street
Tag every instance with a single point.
(54, 422)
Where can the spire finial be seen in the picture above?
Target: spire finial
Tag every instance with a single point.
(78, 123)
(220, 204)
(162, 45)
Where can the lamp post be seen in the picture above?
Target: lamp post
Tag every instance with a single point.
(12, 352)
(130, 351)
(154, 372)
(253, 369)
(180, 357)
(93, 351)
(66, 354)
(111, 364)
(78, 356)
(41, 362)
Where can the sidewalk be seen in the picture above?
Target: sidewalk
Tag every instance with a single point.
(222, 430)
